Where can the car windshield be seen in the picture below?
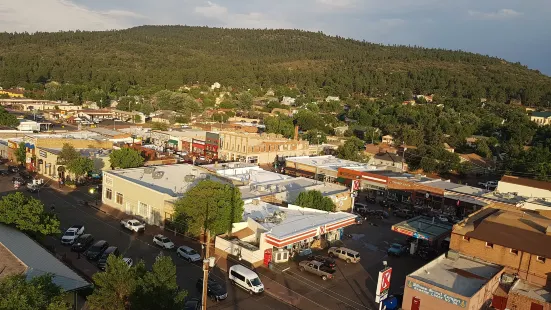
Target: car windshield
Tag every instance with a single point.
(256, 282)
(191, 252)
(396, 246)
(165, 240)
(70, 233)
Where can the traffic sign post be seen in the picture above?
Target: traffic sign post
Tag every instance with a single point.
(383, 285)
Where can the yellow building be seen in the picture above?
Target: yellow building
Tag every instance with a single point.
(12, 93)
(259, 148)
(48, 164)
(541, 118)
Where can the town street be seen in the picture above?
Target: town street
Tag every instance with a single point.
(70, 211)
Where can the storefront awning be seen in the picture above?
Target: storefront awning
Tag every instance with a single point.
(173, 142)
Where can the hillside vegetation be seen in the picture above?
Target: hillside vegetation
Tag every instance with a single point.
(143, 60)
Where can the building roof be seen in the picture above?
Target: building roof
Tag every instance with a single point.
(386, 156)
(174, 180)
(423, 227)
(254, 176)
(283, 222)
(541, 294)
(83, 135)
(87, 152)
(441, 184)
(327, 162)
(545, 114)
(463, 276)
(526, 182)
(292, 187)
(188, 133)
(476, 160)
(108, 132)
(38, 261)
(521, 230)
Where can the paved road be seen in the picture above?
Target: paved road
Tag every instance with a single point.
(102, 226)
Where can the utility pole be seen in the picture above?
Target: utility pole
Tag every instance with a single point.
(206, 262)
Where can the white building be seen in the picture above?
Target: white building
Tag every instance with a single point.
(281, 231)
(288, 101)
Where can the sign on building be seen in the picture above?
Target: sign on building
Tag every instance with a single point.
(437, 294)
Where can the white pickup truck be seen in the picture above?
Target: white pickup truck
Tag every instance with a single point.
(133, 225)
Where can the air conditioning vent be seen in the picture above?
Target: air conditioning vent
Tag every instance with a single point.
(149, 170)
(507, 278)
(189, 178)
(158, 174)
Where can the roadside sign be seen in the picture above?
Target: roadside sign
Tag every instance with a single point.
(383, 284)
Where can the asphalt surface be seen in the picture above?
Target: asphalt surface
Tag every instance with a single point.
(71, 211)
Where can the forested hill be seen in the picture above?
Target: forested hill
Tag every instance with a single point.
(149, 58)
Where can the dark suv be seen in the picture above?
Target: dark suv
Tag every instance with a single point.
(214, 289)
(95, 251)
(102, 262)
(82, 243)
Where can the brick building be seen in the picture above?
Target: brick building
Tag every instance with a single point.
(515, 243)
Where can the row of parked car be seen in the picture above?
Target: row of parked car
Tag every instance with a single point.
(324, 266)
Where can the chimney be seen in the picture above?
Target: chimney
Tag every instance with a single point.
(296, 133)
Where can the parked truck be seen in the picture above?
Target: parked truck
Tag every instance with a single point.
(317, 268)
(133, 225)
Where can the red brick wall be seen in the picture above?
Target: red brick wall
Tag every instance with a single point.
(521, 302)
(525, 264)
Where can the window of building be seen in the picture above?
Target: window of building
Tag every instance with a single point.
(119, 198)
(513, 251)
(108, 193)
(540, 259)
(466, 238)
(489, 245)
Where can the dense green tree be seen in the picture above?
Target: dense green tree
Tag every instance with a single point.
(39, 293)
(27, 214)
(353, 149)
(280, 125)
(159, 126)
(21, 153)
(308, 120)
(80, 166)
(313, 199)
(121, 287)
(209, 205)
(7, 119)
(126, 158)
(67, 154)
(482, 149)
(315, 137)
(245, 100)
(158, 289)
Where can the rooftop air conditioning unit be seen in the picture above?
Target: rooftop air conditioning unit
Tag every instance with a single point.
(149, 170)
(189, 178)
(507, 278)
(158, 174)
(260, 188)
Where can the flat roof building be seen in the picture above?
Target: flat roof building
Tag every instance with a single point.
(149, 192)
(445, 283)
(283, 231)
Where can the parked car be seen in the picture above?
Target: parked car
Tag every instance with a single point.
(488, 185)
(246, 278)
(397, 249)
(350, 256)
(163, 242)
(316, 268)
(33, 188)
(360, 207)
(102, 261)
(133, 225)
(128, 261)
(403, 213)
(215, 290)
(5, 171)
(193, 304)
(82, 243)
(95, 251)
(72, 234)
(380, 213)
(188, 254)
(327, 261)
(442, 218)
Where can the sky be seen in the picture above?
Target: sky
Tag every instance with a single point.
(518, 31)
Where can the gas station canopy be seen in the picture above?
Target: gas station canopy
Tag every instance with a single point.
(423, 227)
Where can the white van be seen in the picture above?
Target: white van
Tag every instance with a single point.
(246, 278)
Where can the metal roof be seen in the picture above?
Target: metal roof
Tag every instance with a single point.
(39, 261)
